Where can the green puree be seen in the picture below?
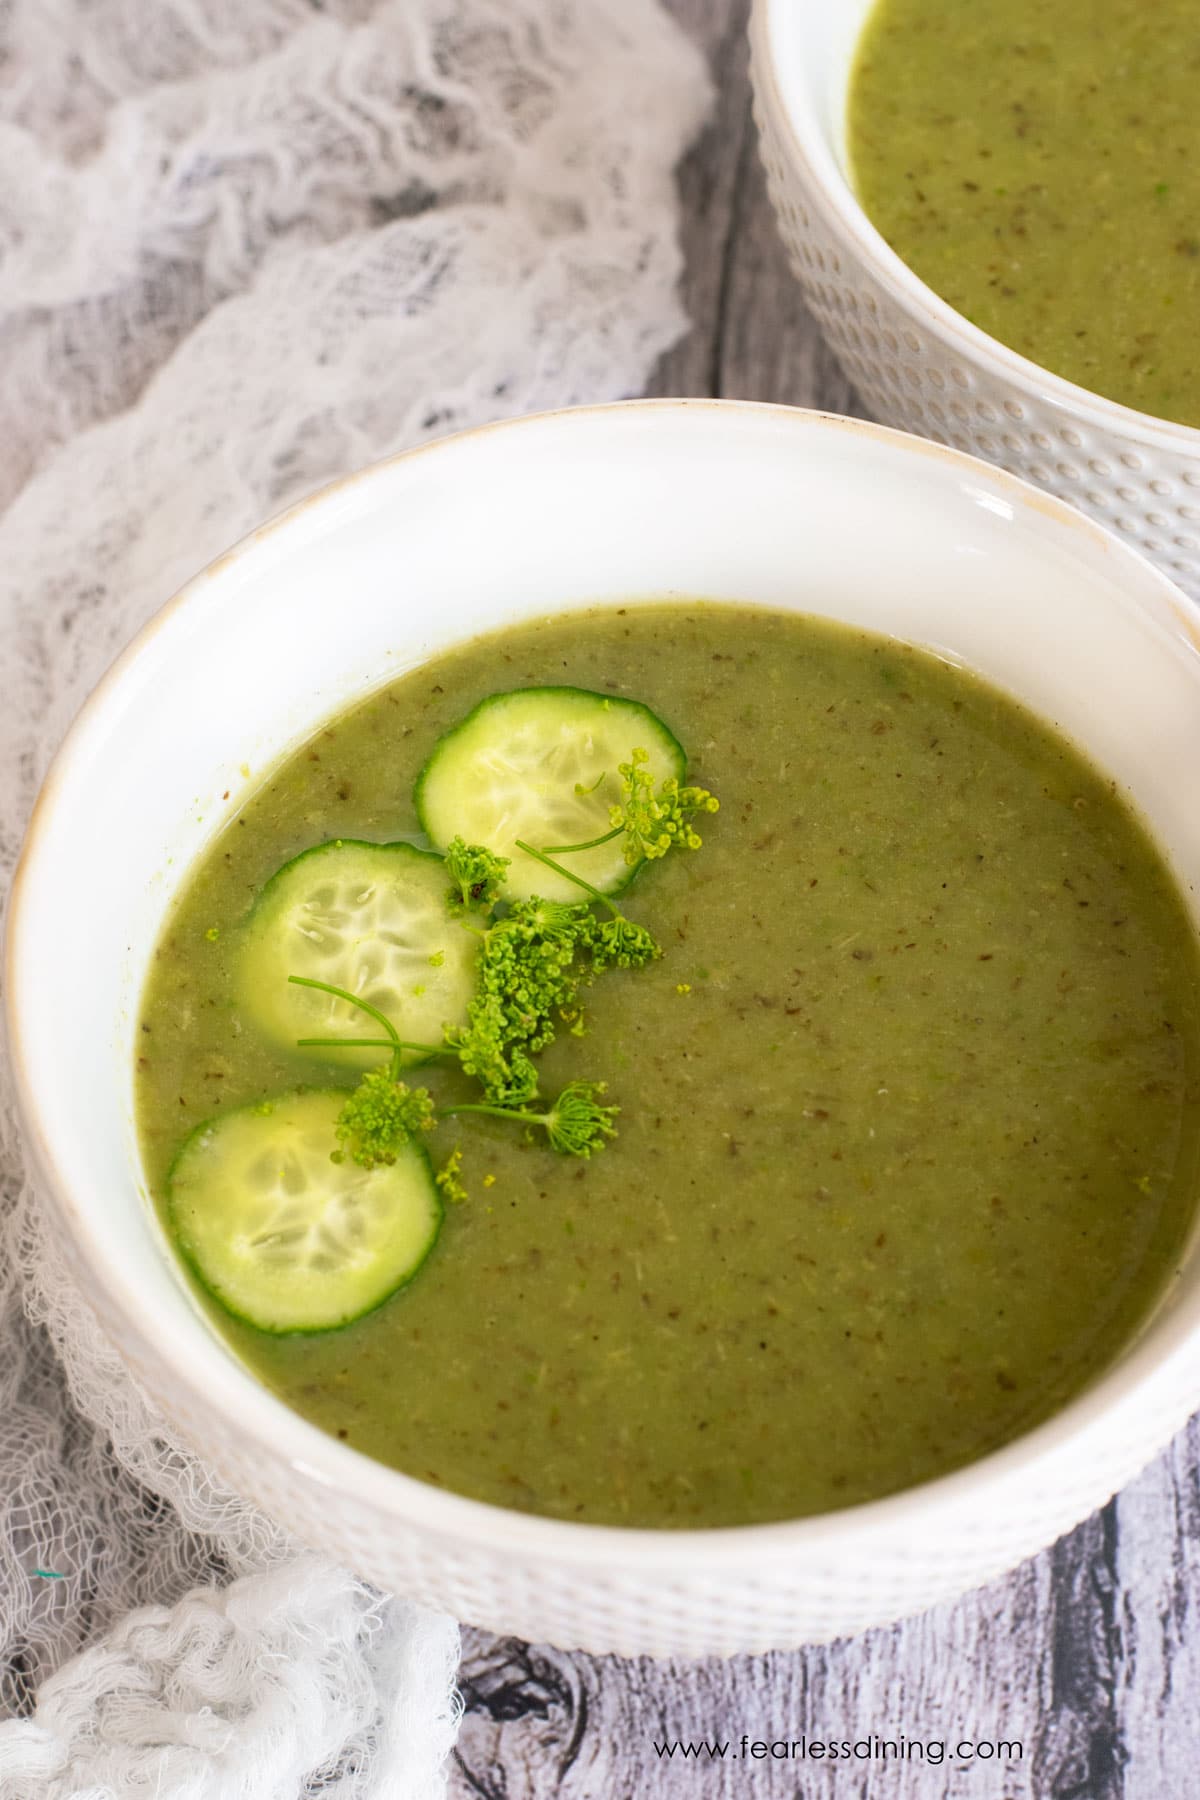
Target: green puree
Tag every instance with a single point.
(1039, 167)
(907, 1162)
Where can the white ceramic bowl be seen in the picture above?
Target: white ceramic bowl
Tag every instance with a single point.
(915, 361)
(369, 578)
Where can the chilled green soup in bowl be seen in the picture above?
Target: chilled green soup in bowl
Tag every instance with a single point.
(631, 1072)
(1039, 167)
(898, 1138)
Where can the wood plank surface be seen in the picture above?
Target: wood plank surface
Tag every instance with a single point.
(1088, 1656)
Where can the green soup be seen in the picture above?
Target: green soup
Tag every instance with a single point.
(1039, 167)
(908, 1143)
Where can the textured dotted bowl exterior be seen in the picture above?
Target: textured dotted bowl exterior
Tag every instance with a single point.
(922, 367)
(774, 1595)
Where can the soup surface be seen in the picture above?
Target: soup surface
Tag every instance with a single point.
(1039, 167)
(908, 1139)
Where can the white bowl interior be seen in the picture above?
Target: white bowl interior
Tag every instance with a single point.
(816, 49)
(677, 499)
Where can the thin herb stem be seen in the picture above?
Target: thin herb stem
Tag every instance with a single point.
(495, 1112)
(338, 993)
(592, 843)
(539, 856)
(371, 1044)
(393, 1042)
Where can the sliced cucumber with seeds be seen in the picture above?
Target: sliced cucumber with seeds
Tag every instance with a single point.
(372, 919)
(540, 764)
(285, 1238)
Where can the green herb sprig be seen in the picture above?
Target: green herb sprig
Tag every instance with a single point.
(535, 957)
(383, 1113)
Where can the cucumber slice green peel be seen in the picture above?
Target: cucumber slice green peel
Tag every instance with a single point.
(373, 920)
(293, 1235)
(535, 952)
(545, 764)
(284, 1238)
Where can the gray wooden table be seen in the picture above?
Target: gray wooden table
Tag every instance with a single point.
(1089, 1656)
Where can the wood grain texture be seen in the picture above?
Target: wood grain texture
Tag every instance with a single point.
(1088, 1656)
(752, 337)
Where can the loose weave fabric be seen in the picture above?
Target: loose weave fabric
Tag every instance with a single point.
(247, 246)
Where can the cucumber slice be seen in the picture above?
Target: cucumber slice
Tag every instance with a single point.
(283, 1237)
(369, 918)
(541, 764)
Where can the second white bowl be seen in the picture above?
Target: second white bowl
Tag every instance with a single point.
(919, 364)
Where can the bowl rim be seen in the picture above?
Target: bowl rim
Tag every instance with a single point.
(458, 1522)
(771, 19)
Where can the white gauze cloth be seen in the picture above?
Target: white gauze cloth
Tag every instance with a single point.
(245, 247)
